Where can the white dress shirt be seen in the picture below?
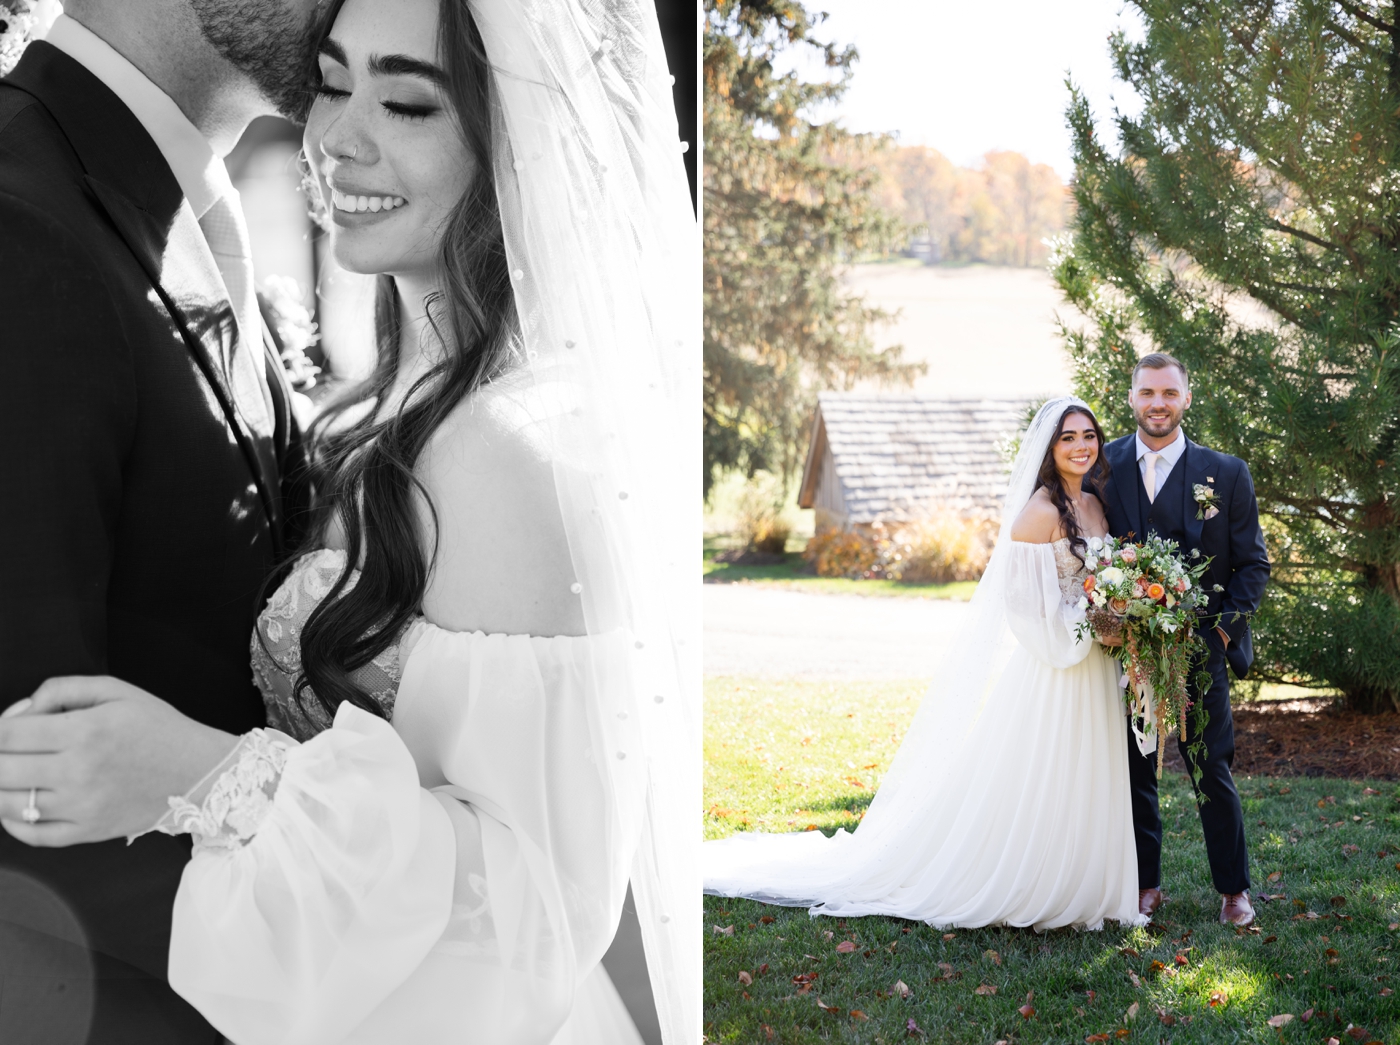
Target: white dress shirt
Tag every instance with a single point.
(1166, 459)
(203, 179)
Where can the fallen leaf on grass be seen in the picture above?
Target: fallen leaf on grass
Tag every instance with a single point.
(804, 977)
(985, 989)
(1217, 998)
(1165, 1018)
(1386, 992)
(1181, 959)
(901, 988)
(1091, 995)
(1132, 1012)
(947, 970)
(1121, 1032)
(1271, 939)
(856, 1014)
(1095, 1039)
(1133, 978)
(954, 936)
(1369, 791)
(827, 1008)
(767, 919)
(845, 947)
(1275, 876)
(745, 978)
(767, 1031)
(912, 1029)
(1283, 1019)
(727, 930)
(1333, 1041)
(996, 958)
(1356, 1032)
(1338, 901)
(1128, 952)
(1026, 1011)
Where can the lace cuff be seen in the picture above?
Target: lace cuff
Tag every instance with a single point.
(226, 808)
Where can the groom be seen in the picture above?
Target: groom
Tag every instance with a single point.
(149, 458)
(1162, 483)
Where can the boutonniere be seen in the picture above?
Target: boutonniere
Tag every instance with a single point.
(1206, 501)
(295, 328)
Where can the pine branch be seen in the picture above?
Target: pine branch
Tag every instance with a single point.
(1274, 223)
(1359, 12)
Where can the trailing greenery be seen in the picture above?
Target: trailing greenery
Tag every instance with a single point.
(787, 199)
(1248, 222)
(1322, 839)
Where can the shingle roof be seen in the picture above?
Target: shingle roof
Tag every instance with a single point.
(896, 454)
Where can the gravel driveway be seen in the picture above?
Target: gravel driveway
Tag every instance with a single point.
(753, 630)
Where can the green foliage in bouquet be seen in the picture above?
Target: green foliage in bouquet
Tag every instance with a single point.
(1150, 596)
(1248, 222)
(787, 200)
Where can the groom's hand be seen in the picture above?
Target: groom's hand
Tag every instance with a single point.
(103, 755)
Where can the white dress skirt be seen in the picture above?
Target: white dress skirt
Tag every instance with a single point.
(1023, 818)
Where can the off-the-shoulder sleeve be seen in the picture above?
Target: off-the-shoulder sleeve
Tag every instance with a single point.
(454, 877)
(1037, 611)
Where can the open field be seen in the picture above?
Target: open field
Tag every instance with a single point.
(784, 754)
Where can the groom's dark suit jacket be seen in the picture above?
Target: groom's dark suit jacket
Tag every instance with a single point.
(1232, 539)
(141, 515)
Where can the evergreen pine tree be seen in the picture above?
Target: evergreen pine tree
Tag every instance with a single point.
(1249, 224)
(787, 200)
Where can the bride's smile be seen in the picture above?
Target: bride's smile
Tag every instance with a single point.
(387, 150)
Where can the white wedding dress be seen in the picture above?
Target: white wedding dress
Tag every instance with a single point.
(454, 876)
(1008, 803)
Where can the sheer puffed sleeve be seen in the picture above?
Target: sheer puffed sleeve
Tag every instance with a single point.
(452, 878)
(1042, 619)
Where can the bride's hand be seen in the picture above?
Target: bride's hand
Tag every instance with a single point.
(103, 757)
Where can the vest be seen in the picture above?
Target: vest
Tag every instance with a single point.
(1164, 516)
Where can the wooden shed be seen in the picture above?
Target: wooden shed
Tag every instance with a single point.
(877, 456)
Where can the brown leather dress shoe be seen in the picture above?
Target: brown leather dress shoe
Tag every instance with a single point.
(1235, 909)
(1148, 901)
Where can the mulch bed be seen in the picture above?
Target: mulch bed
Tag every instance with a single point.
(1311, 738)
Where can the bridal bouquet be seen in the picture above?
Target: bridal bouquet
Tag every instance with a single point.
(1148, 595)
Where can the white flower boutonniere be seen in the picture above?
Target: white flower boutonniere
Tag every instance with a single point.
(1206, 501)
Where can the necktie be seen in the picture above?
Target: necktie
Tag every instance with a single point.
(1149, 480)
(227, 235)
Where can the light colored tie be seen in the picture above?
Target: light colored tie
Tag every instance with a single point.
(226, 232)
(1149, 480)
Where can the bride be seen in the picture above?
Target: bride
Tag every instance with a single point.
(478, 669)
(1008, 801)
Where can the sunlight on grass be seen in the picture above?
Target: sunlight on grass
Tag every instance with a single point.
(783, 754)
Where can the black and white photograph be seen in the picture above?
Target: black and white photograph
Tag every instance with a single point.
(350, 624)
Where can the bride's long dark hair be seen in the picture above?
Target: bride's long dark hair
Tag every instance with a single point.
(363, 473)
(1049, 478)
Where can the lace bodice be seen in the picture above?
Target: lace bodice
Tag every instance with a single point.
(276, 649)
(1069, 568)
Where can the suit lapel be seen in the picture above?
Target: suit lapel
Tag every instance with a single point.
(1192, 472)
(178, 262)
(1126, 485)
(133, 184)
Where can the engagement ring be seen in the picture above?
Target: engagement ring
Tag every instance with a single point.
(30, 813)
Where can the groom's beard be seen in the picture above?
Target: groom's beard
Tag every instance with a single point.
(1159, 429)
(268, 41)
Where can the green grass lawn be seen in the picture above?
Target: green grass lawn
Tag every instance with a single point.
(781, 755)
(789, 574)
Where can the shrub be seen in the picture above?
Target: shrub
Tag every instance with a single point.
(843, 553)
(940, 548)
(763, 524)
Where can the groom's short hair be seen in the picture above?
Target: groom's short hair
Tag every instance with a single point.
(1160, 361)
